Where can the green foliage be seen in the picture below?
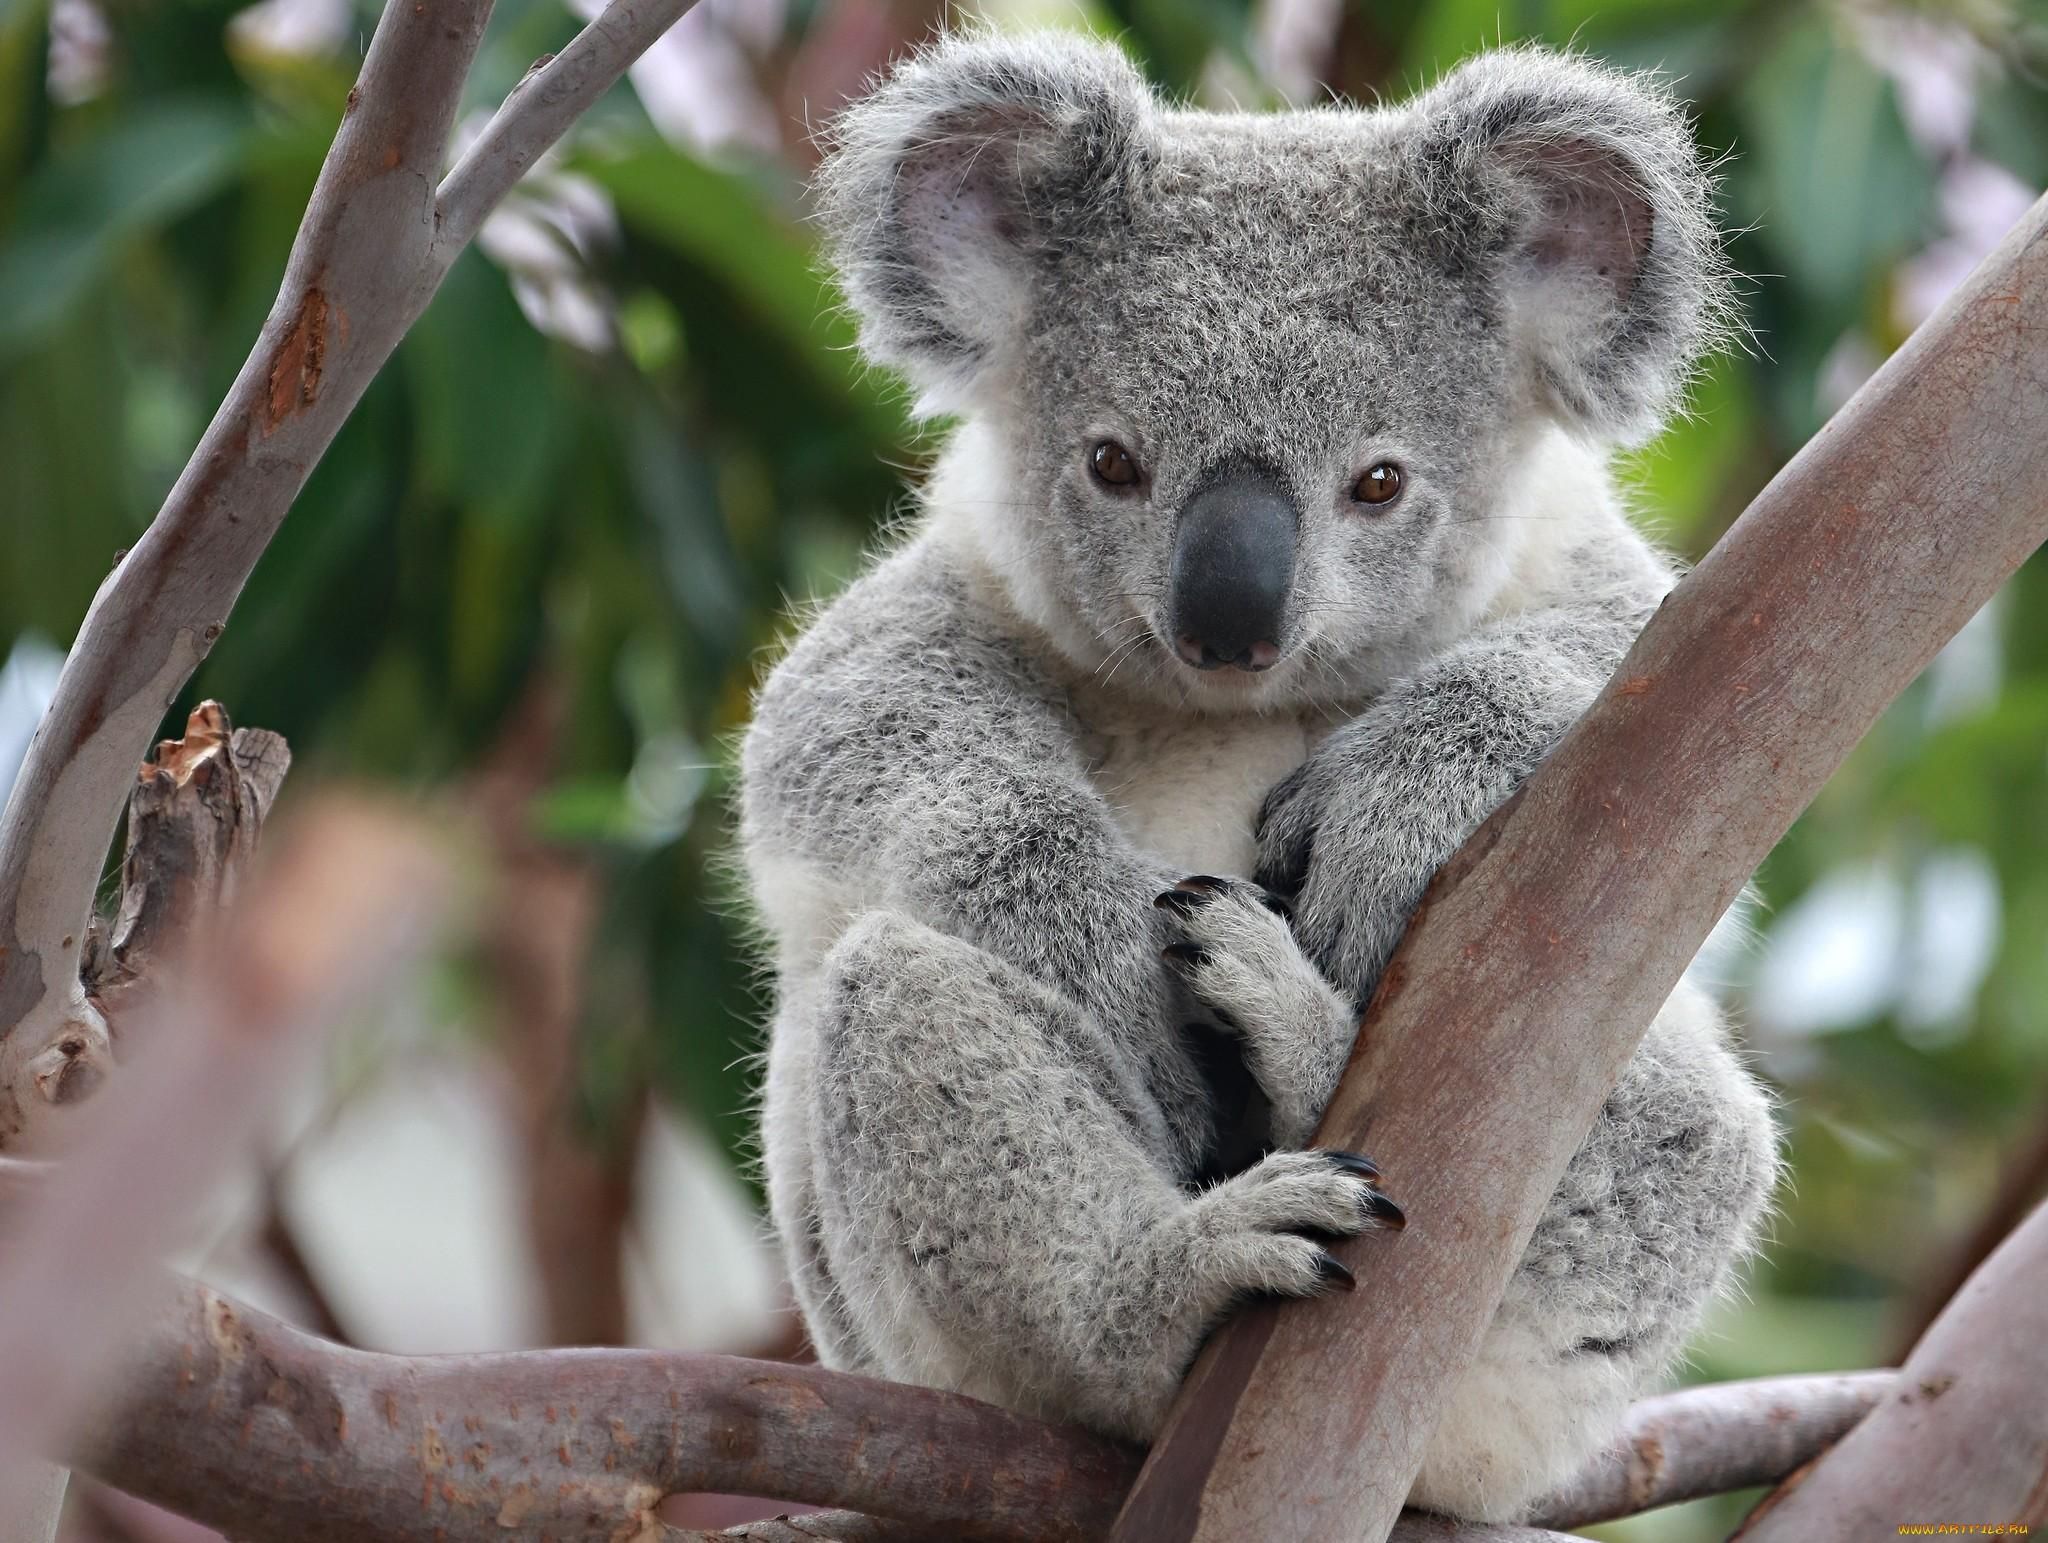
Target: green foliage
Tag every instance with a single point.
(632, 514)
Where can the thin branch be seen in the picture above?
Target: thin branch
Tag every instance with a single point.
(553, 95)
(1550, 941)
(352, 286)
(1962, 1435)
(340, 905)
(240, 1421)
(1711, 1440)
(2022, 1184)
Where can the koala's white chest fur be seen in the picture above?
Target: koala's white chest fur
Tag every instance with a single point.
(1188, 790)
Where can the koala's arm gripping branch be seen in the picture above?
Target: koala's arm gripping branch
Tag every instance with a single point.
(1547, 945)
(381, 231)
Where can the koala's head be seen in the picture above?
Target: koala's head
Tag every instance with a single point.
(1247, 397)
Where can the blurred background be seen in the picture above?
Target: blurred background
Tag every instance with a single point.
(537, 576)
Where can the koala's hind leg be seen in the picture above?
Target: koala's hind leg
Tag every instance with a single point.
(994, 1202)
(1657, 1207)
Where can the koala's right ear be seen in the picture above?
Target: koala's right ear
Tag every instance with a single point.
(1583, 183)
(941, 187)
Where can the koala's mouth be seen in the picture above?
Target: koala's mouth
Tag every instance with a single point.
(1186, 659)
(1257, 657)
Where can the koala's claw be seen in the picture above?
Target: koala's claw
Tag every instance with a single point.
(1262, 1233)
(1352, 1162)
(1198, 889)
(1186, 956)
(1332, 1269)
(1385, 1213)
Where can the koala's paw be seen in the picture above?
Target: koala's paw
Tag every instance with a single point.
(1351, 876)
(1239, 959)
(1247, 1234)
(1288, 819)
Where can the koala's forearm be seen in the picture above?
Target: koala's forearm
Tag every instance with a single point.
(1355, 836)
(902, 757)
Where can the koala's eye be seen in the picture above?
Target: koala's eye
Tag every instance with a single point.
(1114, 465)
(1381, 484)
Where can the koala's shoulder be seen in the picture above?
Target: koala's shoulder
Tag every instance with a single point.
(916, 632)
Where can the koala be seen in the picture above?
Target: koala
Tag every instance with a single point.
(1271, 547)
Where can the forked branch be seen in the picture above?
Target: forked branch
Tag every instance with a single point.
(1962, 1433)
(379, 235)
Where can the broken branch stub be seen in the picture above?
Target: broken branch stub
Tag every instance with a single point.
(194, 817)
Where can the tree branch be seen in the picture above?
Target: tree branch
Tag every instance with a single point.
(1963, 1434)
(340, 905)
(1549, 942)
(1711, 1440)
(553, 95)
(376, 241)
(353, 284)
(240, 1421)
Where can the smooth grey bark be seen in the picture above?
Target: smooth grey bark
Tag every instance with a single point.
(380, 233)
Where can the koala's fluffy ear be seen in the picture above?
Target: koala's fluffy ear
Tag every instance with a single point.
(941, 185)
(1585, 184)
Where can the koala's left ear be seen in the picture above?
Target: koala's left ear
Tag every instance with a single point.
(1583, 184)
(954, 177)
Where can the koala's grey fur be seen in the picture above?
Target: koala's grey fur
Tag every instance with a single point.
(994, 1109)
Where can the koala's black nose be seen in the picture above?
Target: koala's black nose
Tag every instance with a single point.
(1233, 566)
